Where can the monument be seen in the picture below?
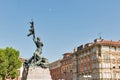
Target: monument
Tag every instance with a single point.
(37, 67)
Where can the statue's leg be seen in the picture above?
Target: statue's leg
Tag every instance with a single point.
(30, 60)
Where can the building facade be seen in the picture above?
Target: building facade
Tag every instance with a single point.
(62, 69)
(99, 60)
(55, 70)
(66, 66)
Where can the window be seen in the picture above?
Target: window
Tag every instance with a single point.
(100, 65)
(107, 75)
(94, 49)
(119, 58)
(84, 53)
(113, 58)
(114, 75)
(94, 57)
(106, 56)
(104, 74)
(88, 67)
(105, 65)
(81, 55)
(100, 75)
(105, 48)
(119, 49)
(112, 48)
(119, 75)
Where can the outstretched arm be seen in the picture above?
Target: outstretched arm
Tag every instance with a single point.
(32, 26)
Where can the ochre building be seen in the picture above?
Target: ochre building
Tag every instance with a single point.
(99, 60)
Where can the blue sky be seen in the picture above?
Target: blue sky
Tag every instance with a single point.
(62, 25)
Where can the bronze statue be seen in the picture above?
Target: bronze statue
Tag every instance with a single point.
(36, 59)
(39, 45)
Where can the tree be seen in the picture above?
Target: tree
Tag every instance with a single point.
(3, 63)
(9, 63)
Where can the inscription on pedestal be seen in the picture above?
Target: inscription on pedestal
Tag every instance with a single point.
(38, 73)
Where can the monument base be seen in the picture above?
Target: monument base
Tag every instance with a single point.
(38, 73)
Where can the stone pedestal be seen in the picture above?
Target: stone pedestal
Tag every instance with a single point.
(38, 73)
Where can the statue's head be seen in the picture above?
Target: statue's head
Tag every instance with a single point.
(38, 39)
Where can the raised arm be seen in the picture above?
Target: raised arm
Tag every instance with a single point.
(31, 30)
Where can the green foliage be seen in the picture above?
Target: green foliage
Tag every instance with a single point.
(9, 63)
(3, 63)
